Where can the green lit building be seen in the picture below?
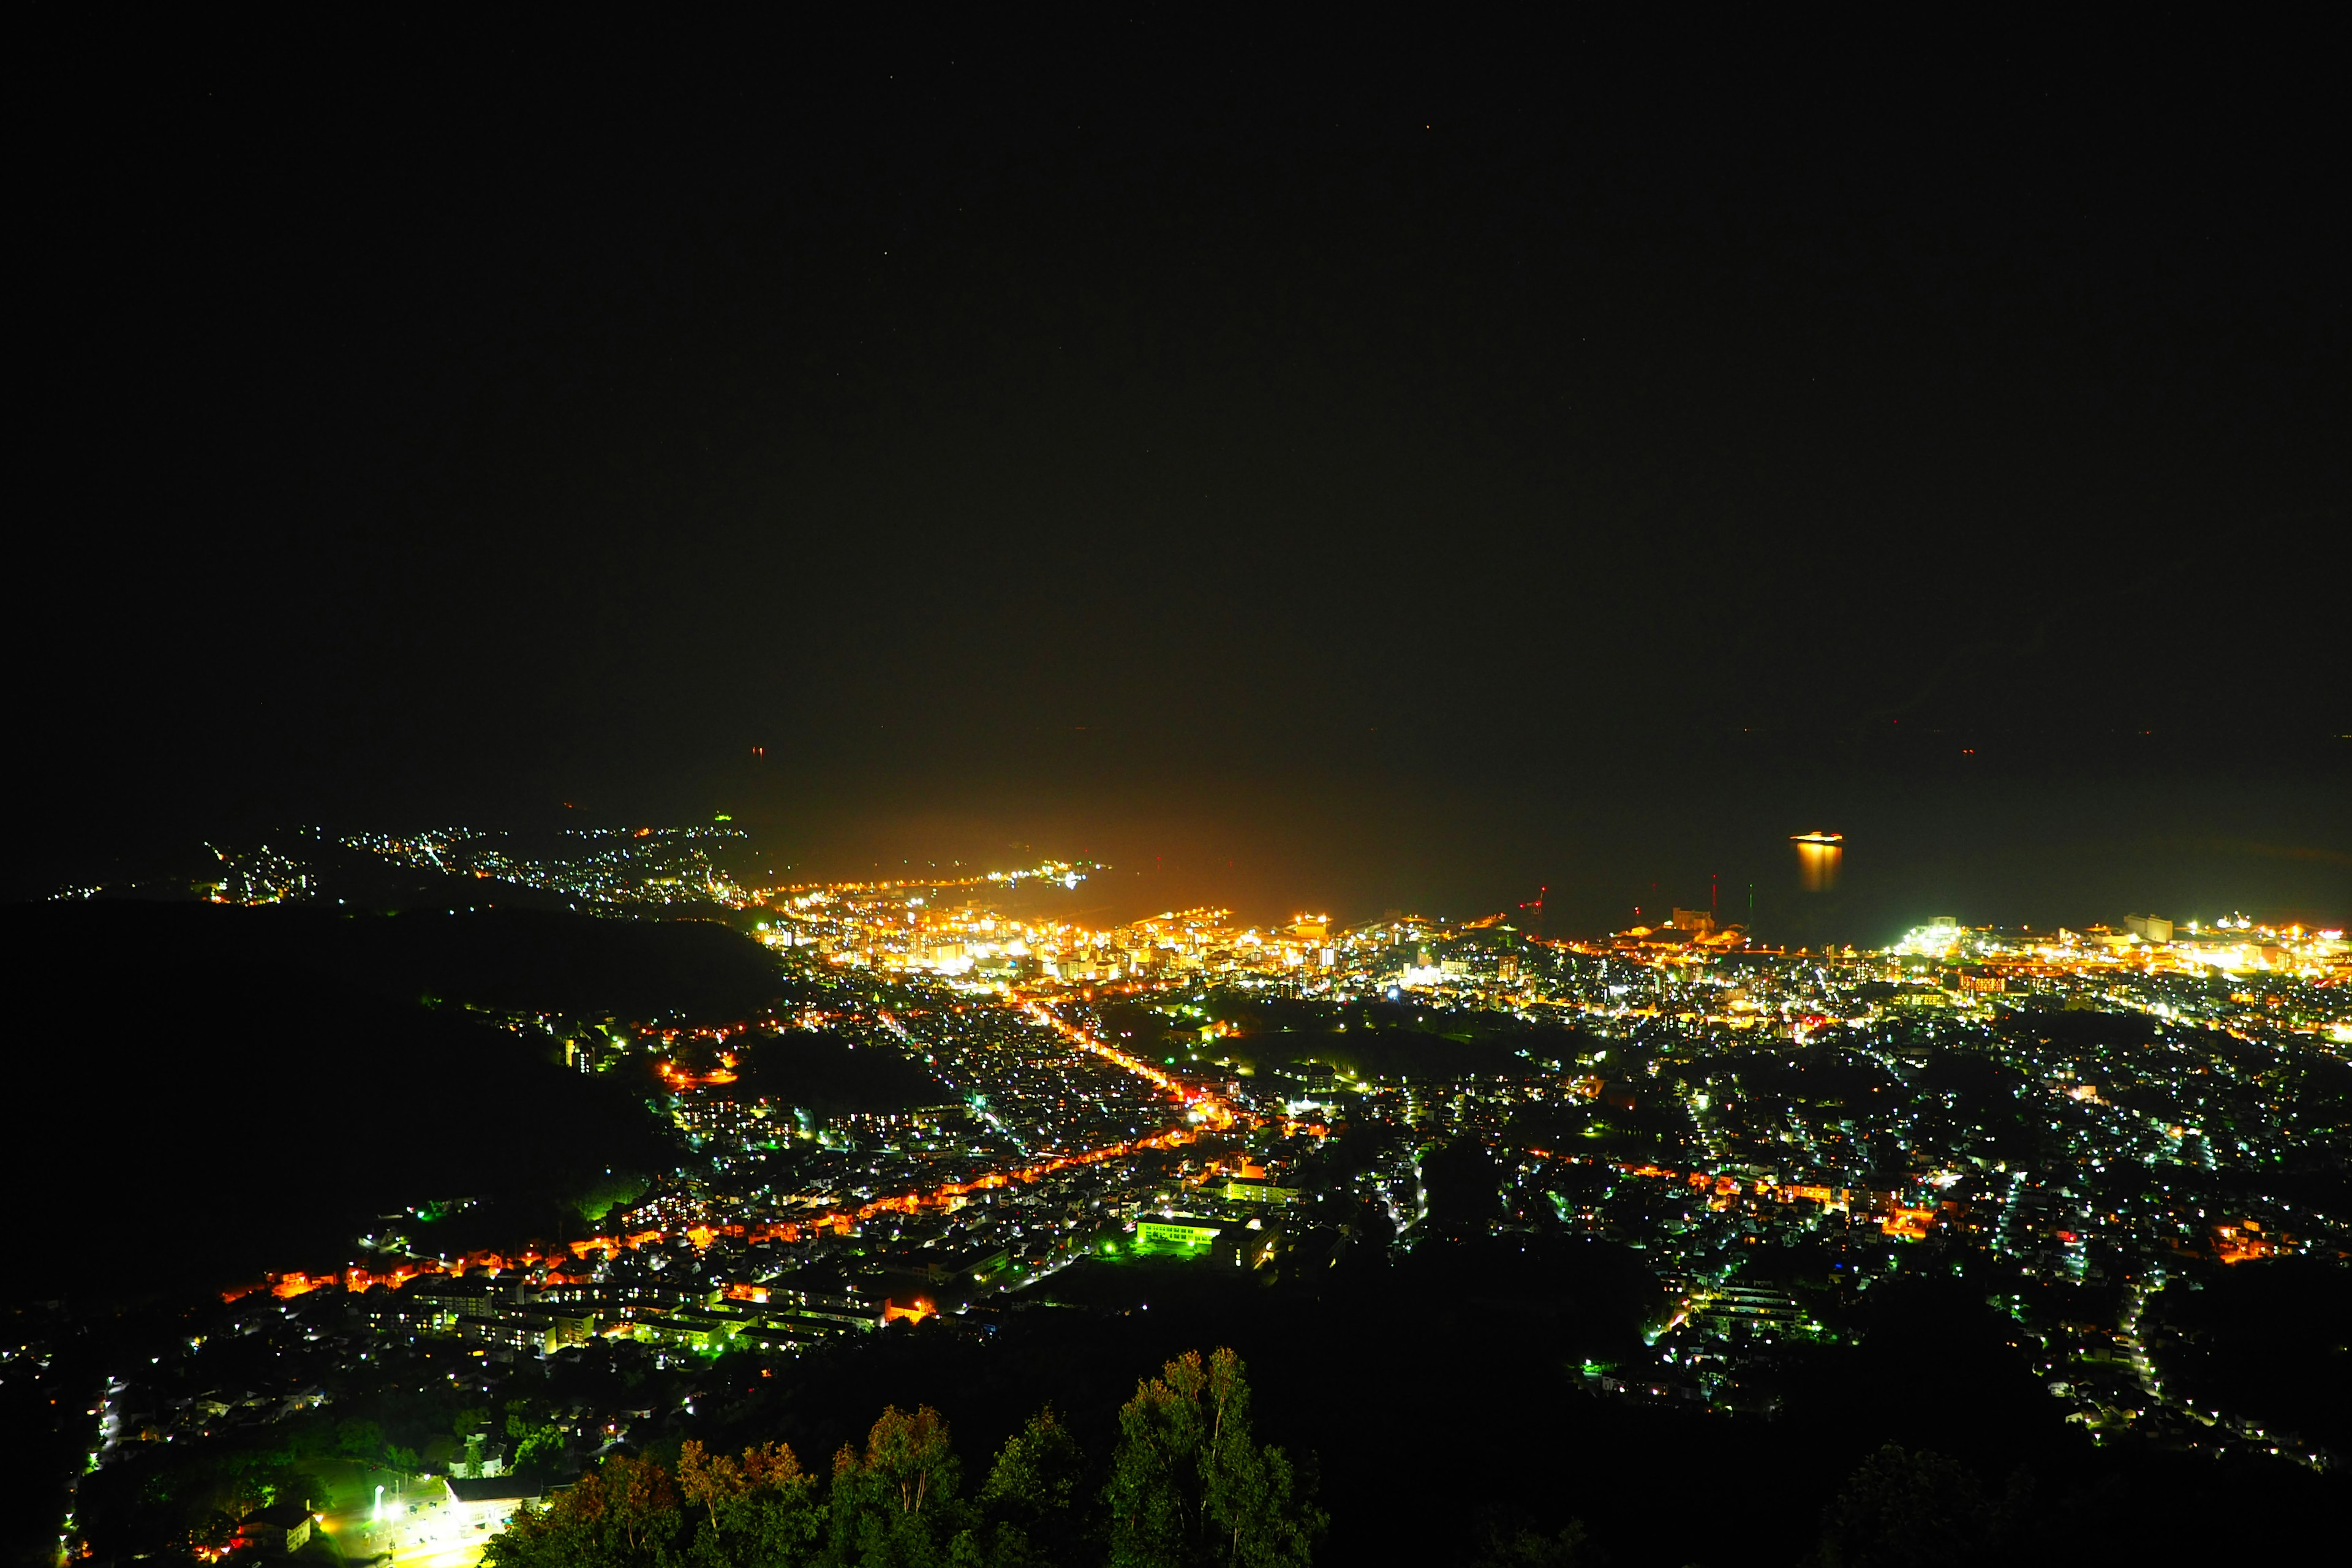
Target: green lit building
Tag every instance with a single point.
(1176, 1233)
(706, 1330)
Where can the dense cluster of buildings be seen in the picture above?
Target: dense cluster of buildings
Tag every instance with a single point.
(2065, 1101)
(1774, 1133)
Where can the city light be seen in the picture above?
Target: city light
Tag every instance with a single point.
(1102, 1096)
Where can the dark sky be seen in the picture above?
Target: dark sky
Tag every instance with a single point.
(1378, 470)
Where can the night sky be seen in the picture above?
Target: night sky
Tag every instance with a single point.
(1360, 472)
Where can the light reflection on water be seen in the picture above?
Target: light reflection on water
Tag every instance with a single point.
(1816, 865)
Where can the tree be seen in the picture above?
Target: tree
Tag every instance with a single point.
(535, 1433)
(362, 1441)
(623, 1514)
(1153, 1492)
(1189, 1486)
(1028, 1504)
(758, 1510)
(1463, 1186)
(1508, 1541)
(895, 1505)
(472, 1426)
(1906, 1509)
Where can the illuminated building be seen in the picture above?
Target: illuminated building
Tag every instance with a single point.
(1258, 1190)
(1176, 1234)
(471, 1510)
(280, 1528)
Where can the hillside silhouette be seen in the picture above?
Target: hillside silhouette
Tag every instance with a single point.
(202, 1093)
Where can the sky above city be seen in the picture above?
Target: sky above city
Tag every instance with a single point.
(1295, 476)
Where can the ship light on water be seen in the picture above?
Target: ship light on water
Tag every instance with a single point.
(1817, 854)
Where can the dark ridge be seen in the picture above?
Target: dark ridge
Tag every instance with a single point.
(522, 959)
(200, 1097)
(1391, 1053)
(824, 1073)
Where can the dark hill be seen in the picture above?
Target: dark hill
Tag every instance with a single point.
(2271, 1339)
(1385, 1053)
(820, 1071)
(202, 1093)
(1464, 1356)
(533, 960)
